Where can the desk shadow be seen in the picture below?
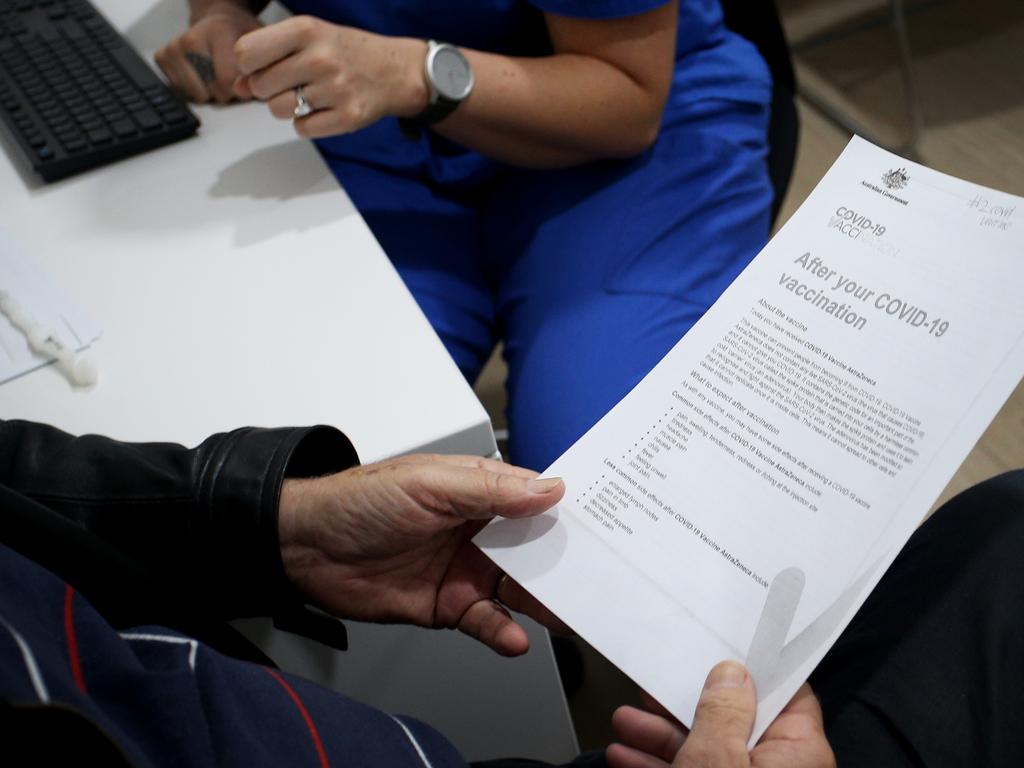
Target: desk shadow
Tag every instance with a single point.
(278, 172)
(264, 194)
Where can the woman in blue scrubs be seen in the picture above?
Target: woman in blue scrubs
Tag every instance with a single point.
(602, 184)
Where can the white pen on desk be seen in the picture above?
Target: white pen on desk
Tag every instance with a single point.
(81, 369)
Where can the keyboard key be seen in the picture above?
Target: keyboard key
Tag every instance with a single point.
(135, 67)
(100, 136)
(176, 118)
(72, 30)
(124, 128)
(148, 119)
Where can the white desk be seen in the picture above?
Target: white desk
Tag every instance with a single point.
(236, 284)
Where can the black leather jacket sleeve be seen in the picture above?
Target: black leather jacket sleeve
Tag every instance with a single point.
(201, 522)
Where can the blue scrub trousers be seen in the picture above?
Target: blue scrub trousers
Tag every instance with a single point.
(588, 274)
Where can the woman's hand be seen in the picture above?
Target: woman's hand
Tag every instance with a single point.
(200, 63)
(600, 94)
(351, 78)
(391, 542)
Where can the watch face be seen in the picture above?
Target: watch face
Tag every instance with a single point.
(451, 74)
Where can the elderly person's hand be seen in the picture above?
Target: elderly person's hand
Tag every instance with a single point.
(721, 728)
(200, 63)
(390, 542)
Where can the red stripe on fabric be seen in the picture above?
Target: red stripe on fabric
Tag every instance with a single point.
(69, 633)
(305, 716)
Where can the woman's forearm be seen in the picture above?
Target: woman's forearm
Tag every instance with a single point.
(599, 94)
(554, 111)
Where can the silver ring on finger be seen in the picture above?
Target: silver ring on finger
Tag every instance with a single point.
(302, 105)
(498, 585)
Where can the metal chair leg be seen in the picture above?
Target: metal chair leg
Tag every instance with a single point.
(828, 99)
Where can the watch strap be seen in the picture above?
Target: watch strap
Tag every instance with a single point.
(412, 127)
(436, 110)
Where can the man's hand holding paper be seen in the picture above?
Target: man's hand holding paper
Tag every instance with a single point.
(722, 725)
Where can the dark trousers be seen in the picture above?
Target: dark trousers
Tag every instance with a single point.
(930, 671)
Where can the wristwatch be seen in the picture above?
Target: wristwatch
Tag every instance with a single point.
(449, 81)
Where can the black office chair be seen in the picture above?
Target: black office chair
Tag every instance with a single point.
(758, 21)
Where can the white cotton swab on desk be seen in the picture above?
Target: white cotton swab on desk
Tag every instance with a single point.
(80, 369)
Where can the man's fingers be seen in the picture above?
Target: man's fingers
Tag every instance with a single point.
(474, 577)
(801, 718)
(723, 722)
(518, 599)
(491, 624)
(472, 462)
(471, 493)
(796, 738)
(651, 704)
(806, 704)
(621, 756)
(651, 734)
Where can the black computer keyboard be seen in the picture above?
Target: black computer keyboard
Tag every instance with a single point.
(74, 94)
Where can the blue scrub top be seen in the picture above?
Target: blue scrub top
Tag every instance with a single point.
(711, 63)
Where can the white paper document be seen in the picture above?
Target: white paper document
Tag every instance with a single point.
(742, 501)
(48, 305)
